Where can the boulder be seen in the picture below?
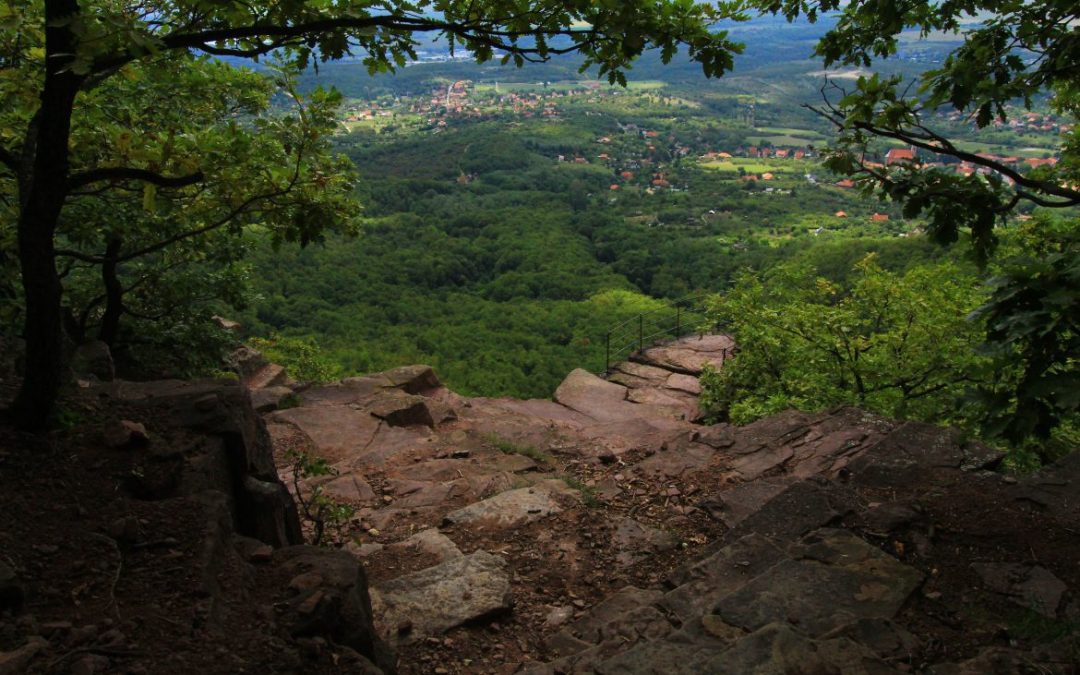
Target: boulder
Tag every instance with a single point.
(246, 362)
(405, 410)
(594, 397)
(434, 600)
(417, 379)
(269, 399)
(94, 358)
(270, 375)
(512, 507)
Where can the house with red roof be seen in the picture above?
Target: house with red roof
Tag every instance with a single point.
(901, 156)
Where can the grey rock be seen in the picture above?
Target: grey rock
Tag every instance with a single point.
(246, 362)
(436, 599)
(269, 399)
(433, 542)
(779, 649)
(418, 379)
(403, 410)
(512, 507)
(702, 584)
(1028, 586)
(838, 579)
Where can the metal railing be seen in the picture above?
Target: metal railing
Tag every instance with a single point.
(674, 320)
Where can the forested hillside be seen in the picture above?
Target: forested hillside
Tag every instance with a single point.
(500, 242)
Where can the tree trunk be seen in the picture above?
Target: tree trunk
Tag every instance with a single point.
(39, 211)
(114, 294)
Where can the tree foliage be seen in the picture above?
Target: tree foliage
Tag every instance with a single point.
(896, 343)
(1010, 55)
(1033, 325)
(57, 55)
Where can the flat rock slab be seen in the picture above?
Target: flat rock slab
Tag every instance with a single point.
(684, 383)
(349, 488)
(1028, 586)
(595, 397)
(780, 649)
(338, 432)
(838, 579)
(704, 583)
(692, 354)
(436, 599)
(513, 507)
(596, 625)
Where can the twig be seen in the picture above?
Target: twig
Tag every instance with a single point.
(119, 568)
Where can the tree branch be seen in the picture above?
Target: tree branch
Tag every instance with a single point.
(122, 173)
(283, 35)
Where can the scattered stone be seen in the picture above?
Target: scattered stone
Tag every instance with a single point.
(125, 530)
(342, 614)
(558, 616)
(436, 599)
(246, 362)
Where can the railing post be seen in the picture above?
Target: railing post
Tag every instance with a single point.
(640, 332)
(678, 321)
(607, 353)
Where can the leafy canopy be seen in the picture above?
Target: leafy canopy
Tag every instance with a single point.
(897, 344)
(1011, 53)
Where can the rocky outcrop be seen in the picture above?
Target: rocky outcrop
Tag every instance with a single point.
(606, 531)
